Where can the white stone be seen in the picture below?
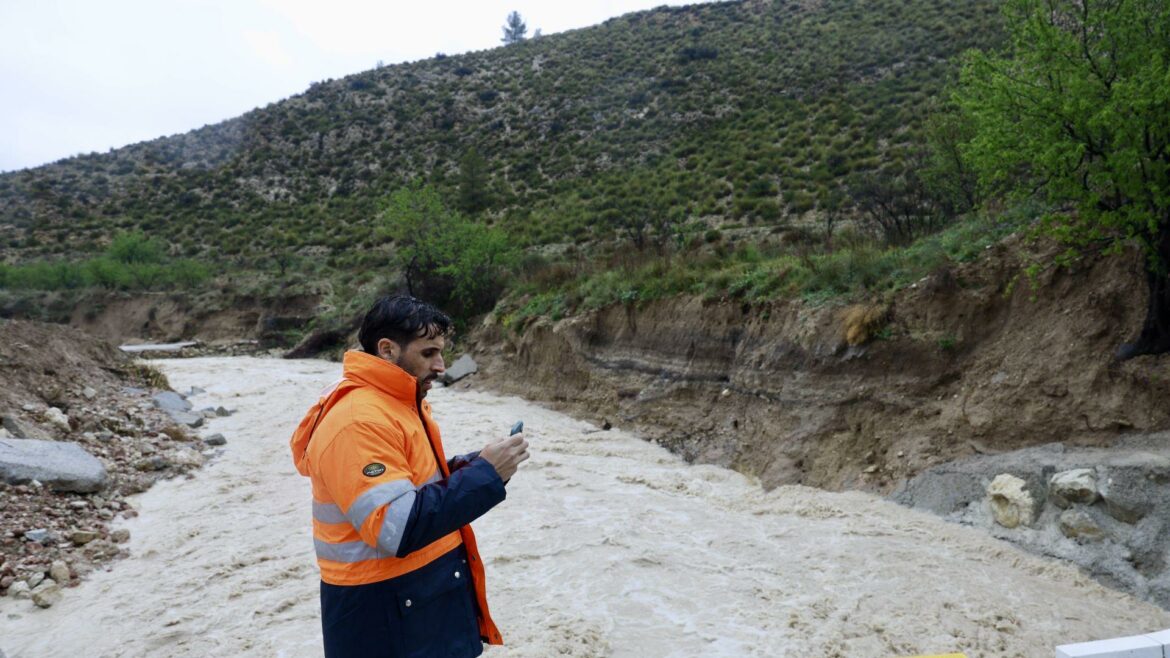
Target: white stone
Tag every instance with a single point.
(186, 457)
(1138, 646)
(1011, 503)
(35, 580)
(20, 590)
(59, 571)
(57, 417)
(1075, 486)
(89, 393)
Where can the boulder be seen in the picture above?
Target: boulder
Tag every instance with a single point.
(223, 412)
(34, 581)
(22, 430)
(88, 393)
(186, 418)
(215, 440)
(1076, 486)
(185, 457)
(20, 590)
(463, 366)
(82, 537)
(1011, 503)
(62, 465)
(59, 571)
(40, 536)
(120, 536)
(1076, 523)
(47, 594)
(170, 401)
(57, 418)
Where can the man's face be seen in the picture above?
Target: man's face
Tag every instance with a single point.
(422, 358)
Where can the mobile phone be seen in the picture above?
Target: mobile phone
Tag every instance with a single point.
(517, 428)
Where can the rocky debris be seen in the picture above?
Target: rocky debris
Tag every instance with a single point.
(463, 366)
(1076, 486)
(186, 418)
(223, 412)
(215, 440)
(63, 466)
(65, 391)
(120, 536)
(1011, 502)
(1104, 509)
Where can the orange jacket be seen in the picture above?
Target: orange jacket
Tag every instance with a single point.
(367, 445)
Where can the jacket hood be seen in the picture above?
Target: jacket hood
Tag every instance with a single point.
(358, 369)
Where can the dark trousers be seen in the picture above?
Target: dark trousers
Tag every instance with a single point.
(425, 613)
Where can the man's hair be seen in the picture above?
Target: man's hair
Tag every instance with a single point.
(402, 318)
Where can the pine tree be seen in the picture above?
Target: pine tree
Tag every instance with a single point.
(514, 29)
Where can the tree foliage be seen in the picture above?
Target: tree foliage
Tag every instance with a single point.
(1078, 110)
(514, 29)
(446, 258)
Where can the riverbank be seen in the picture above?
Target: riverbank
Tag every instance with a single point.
(608, 545)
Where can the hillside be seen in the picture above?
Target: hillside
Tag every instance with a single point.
(730, 113)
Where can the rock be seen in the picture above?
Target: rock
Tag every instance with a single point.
(1076, 486)
(463, 366)
(223, 412)
(606, 425)
(21, 430)
(1126, 490)
(1077, 523)
(186, 418)
(120, 536)
(7, 582)
(20, 590)
(88, 393)
(186, 457)
(152, 463)
(82, 537)
(170, 401)
(4, 434)
(215, 440)
(208, 412)
(40, 536)
(46, 596)
(59, 571)
(57, 418)
(1011, 502)
(35, 580)
(62, 465)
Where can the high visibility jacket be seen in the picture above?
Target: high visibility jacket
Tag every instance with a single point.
(381, 481)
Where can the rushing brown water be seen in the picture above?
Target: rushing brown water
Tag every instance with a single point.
(606, 546)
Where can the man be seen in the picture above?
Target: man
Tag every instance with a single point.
(400, 573)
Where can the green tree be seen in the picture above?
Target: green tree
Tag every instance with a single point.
(446, 259)
(473, 194)
(1078, 109)
(514, 29)
(134, 248)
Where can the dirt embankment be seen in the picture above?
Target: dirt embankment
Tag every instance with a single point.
(61, 386)
(969, 360)
(210, 316)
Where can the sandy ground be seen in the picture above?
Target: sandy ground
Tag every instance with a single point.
(607, 546)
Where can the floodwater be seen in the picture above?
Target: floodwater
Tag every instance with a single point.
(606, 546)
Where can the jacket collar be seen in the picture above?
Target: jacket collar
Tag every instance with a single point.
(369, 370)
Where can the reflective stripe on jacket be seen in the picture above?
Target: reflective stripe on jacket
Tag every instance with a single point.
(369, 447)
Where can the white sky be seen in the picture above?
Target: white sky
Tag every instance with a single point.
(86, 75)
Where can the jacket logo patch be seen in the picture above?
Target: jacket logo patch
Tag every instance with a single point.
(373, 470)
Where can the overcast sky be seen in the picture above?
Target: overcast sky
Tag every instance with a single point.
(86, 75)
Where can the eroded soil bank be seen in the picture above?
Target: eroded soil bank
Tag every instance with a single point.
(970, 360)
(607, 545)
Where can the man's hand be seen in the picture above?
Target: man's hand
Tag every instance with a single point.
(506, 454)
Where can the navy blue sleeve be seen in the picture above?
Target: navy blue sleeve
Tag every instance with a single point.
(459, 461)
(445, 506)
